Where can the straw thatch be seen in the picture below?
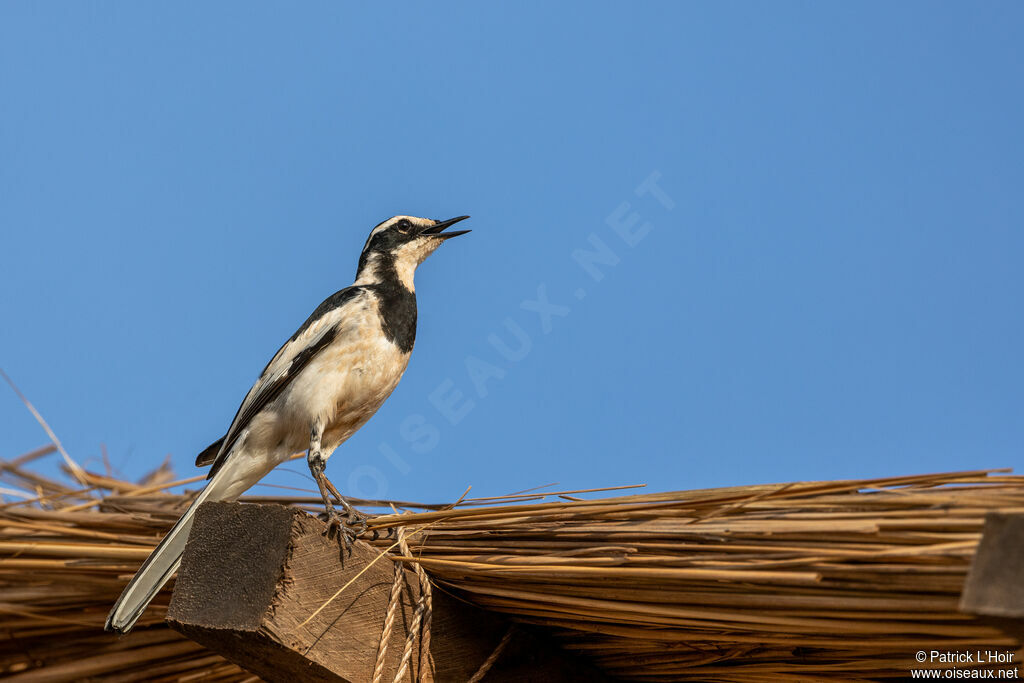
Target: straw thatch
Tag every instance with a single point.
(830, 580)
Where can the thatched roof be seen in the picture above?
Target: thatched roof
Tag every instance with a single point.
(843, 579)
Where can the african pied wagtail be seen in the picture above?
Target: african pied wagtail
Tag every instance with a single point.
(320, 387)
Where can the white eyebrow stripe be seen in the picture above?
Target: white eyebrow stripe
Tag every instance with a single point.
(381, 226)
(384, 225)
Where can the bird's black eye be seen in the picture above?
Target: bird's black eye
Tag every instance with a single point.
(403, 225)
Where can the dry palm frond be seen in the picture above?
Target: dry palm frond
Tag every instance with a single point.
(842, 580)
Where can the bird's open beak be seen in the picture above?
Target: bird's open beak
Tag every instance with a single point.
(439, 226)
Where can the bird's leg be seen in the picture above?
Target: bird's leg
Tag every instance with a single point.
(355, 517)
(315, 458)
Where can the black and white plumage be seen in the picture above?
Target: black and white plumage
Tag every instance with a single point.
(327, 380)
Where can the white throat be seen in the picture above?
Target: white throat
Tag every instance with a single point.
(405, 260)
(405, 271)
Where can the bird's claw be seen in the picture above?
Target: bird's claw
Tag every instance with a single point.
(389, 532)
(336, 527)
(347, 528)
(357, 519)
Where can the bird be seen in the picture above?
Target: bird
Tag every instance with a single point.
(321, 386)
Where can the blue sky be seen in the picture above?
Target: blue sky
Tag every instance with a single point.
(809, 217)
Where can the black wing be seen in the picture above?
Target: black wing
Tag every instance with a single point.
(209, 453)
(319, 330)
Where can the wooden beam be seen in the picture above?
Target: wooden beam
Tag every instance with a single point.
(995, 582)
(994, 588)
(252, 575)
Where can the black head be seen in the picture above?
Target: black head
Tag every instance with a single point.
(401, 243)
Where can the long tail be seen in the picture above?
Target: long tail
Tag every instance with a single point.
(163, 562)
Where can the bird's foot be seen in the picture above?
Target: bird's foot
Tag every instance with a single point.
(338, 527)
(356, 519)
(347, 528)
